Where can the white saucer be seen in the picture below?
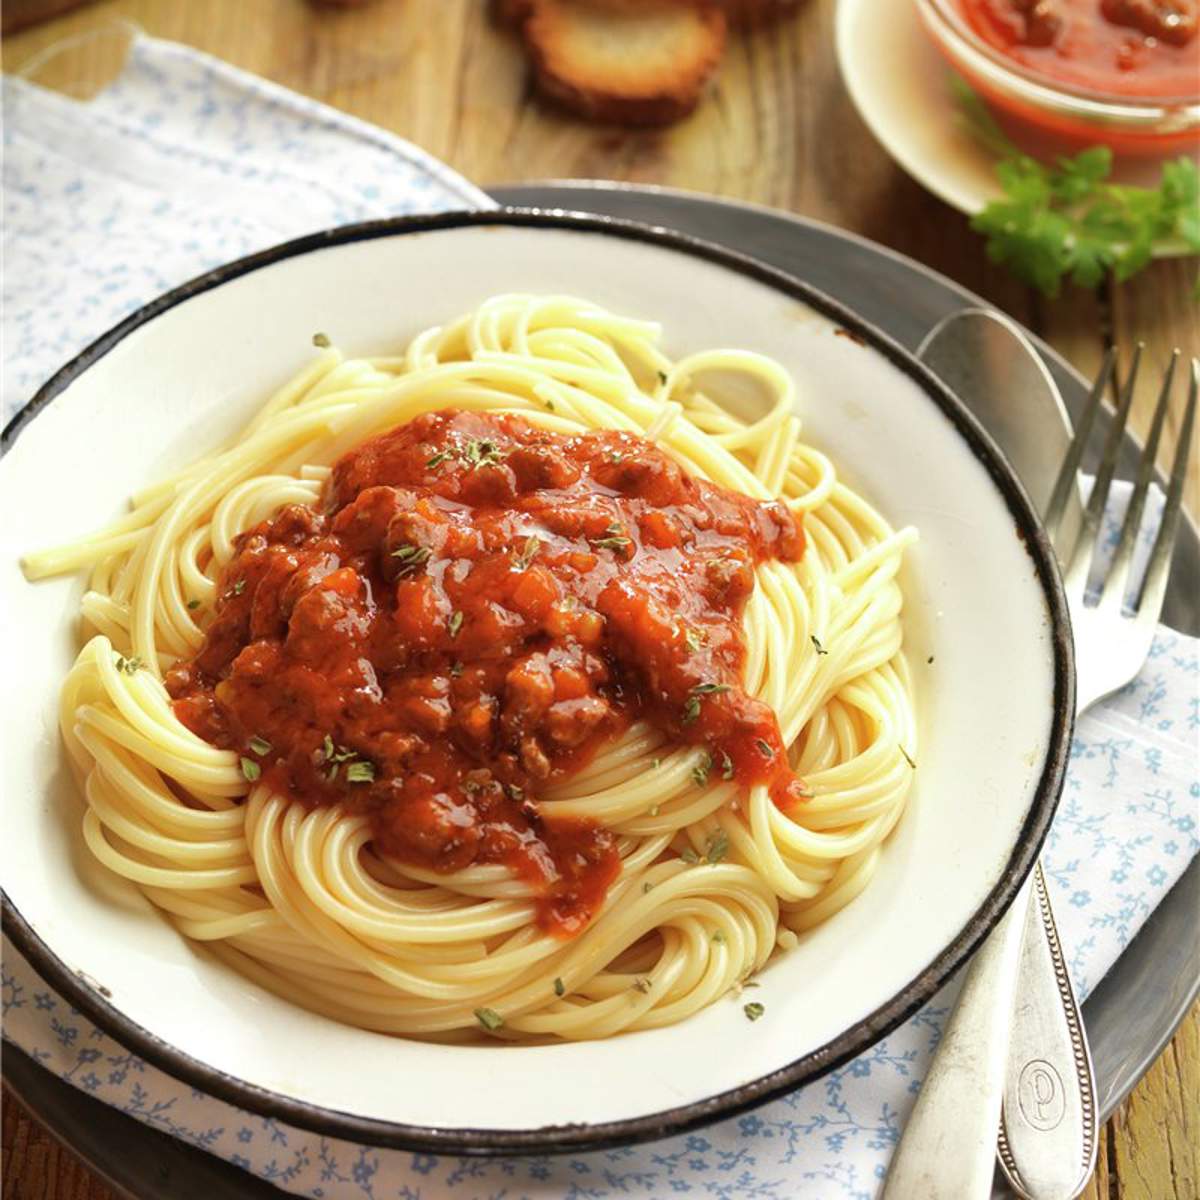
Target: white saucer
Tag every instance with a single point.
(900, 85)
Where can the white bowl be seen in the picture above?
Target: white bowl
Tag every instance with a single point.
(986, 633)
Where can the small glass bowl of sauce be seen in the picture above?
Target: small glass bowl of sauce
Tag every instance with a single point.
(1124, 73)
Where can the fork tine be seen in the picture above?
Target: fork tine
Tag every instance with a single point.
(1148, 603)
(1080, 556)
(1069, 472)
(1117, 582)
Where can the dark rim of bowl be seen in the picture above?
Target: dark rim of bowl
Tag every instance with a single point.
(558, 1139)
(954, 22)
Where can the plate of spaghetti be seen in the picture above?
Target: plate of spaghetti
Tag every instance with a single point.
(514, 682)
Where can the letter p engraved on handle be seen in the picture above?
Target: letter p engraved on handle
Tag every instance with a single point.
(1040, 1095)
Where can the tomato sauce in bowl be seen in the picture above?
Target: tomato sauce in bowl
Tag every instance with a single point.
(1110, 47)
(1067, 74)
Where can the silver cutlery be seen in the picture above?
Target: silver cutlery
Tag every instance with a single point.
(1014, 1056)
(1048, 1129)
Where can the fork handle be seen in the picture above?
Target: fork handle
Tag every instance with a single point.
(1048, 1128)
(948, 1148)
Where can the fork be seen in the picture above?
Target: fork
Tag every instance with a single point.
(1048, 1132)
(1020, 1059)
(1112, 638)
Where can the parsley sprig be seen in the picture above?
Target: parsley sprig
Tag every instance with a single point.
(1067, 221)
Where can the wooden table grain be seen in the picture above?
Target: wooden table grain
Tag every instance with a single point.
(777, 128)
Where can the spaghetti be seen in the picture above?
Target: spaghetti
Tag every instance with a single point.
(494, 685)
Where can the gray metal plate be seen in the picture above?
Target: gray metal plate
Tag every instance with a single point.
(1135, 1010)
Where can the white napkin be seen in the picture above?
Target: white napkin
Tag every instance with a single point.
(185, 163)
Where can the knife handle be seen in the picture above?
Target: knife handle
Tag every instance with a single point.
(948, 1148)
(1048, 1127)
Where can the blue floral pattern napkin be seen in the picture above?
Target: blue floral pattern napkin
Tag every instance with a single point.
(185, 163)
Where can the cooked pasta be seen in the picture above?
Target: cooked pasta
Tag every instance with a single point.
(708, 865)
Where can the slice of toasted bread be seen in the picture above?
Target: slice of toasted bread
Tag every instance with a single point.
(644, 65)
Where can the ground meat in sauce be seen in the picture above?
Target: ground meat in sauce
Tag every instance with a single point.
(475, 609)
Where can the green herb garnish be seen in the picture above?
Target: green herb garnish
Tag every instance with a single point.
(701, 769)
(614, 538)
(647, 887)
(816, 641)
(559, 988)
(437, 460)
(193, 605)
(691, 709)
(753, 1011)
(456, 620)
(131, 665)
(726, 766)
(322, 340)
(489, 1018)
(410, 557)
(260, 746)
(908, 758)
(357, 770)
(456, 669)
(481, 452)
(718, 847)
(718, 936)
(764, 747)
(690, 856)
(239, 587)
(1066, 221)
(337, 754)
(528, 553)
(250, 769)
(694, 638)
(360, 772)
(662, 377)
(642, 985)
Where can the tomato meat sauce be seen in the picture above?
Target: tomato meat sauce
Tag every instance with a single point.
(477, 607)
(1131, 47)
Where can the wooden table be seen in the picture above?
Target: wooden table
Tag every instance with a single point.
(778, 129)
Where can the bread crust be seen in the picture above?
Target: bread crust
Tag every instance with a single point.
(633, 62)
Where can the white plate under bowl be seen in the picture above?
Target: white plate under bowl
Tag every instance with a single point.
(901, 86)
(986, 632)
